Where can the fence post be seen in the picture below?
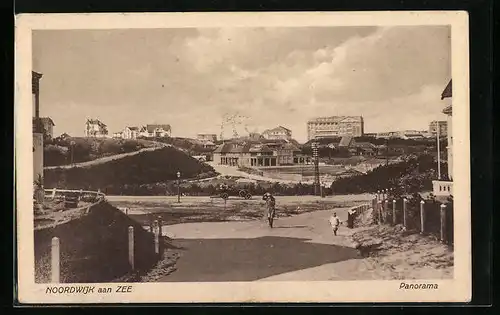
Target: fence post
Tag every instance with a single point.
(378, 195)
(394, 211)
(422, 216)
(386, 208)
(379, 211)
(160, 232)
(157, 240)
(443, 223)
(55, 261)
(131, 247)
(404, 212)
(54, 193)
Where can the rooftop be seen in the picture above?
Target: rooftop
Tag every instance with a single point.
(447, 92)
(336, 119)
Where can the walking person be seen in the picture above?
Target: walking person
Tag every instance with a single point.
(270, 207)
(335, 222)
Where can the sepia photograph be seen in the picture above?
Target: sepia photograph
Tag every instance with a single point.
(280, 154)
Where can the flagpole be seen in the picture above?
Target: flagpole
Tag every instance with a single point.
(439, 150)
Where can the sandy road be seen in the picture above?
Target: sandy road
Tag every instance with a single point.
(298, 248)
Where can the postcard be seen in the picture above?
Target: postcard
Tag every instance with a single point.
(242, 157)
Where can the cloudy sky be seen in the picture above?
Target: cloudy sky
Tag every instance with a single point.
(190, 78)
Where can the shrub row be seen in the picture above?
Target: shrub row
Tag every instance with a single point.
(415, 174)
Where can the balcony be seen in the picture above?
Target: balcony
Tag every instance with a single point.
(442, 188)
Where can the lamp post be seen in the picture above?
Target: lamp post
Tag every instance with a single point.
(178, 187)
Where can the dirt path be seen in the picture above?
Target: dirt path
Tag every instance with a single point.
(107, 158)
(297, 248)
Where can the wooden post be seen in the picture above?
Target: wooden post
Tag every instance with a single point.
(422, 216)
(378, 195)
(151, 224)
(386, 208)
(160, 223)
(55, 261)
(157, 238)
(379, 211)
(404, 212)
(54, 193)
(131, 247)
(443, 223)
(394, 211)
(160, 233)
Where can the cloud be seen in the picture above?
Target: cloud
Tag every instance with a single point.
(275, 76)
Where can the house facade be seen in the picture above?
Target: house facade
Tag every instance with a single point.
(207, 137)
(443, 128)
(130, 133)
(95, 128)
(335, 126)
(278, 133)
(37, 128)
(156, 131)
(445, 187)
(44, 125)
(255, 155)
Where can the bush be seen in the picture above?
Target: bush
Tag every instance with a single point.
(410, 176)
(143, 168)
(55, 155)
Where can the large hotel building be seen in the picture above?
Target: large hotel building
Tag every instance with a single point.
(335, 126)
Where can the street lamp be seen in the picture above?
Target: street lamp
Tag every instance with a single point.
(178, 187)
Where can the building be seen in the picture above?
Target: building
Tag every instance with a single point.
(387, 135)
(95, 128)
(278, 133)
(45, 125)
(118, 135)
(245, 154)
(207, 137)
(130, 133)
(335, 126)
(208, 145)
(156, 131)
(445, 187)
(413, 134)
(255, 136)
(37, 128)
(443, 128)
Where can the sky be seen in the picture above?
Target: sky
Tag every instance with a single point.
(190, 78)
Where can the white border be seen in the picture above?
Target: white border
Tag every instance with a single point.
(456, 290)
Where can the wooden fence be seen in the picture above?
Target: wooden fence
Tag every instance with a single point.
(423, 216)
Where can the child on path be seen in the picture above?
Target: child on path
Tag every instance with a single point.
(335, 222)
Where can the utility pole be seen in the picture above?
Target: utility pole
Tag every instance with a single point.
(438, 150)
(316, 168)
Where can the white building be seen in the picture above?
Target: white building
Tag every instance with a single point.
(95, 128)
(130, 133)
(156, 131)
(445, 187)
(278, 133)
(335, 126)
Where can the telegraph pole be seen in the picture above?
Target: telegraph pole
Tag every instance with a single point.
(439, 150)
(314, 146)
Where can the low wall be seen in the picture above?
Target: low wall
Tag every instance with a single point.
(93, 248)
